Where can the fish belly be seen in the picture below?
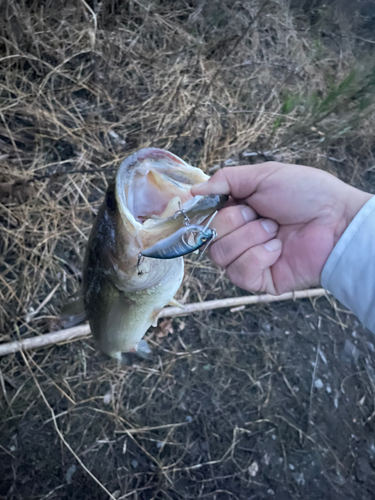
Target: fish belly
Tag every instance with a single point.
(132, 313)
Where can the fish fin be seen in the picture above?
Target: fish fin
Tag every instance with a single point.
(143, 350)
(155, 316)
(174, 302)
(73, 313)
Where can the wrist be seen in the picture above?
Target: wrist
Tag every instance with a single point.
(355, 201)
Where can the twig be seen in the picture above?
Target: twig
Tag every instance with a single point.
(45, 301)
(71, 334)
(147, 429)
(309, 417)
(239, 301)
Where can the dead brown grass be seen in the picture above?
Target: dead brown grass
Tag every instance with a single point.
(82, 85)
(82, 89)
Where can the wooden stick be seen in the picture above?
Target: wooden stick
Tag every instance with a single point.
(72, 334)
(239, 301)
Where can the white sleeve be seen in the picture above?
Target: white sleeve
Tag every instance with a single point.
(349, 273)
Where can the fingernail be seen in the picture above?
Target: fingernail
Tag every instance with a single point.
(270, 225)
(247, 213)
(216, 186)
(201, 185)
(273, 245)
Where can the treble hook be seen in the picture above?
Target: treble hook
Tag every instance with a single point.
(182, 212)
(214, 234)
(210, 220)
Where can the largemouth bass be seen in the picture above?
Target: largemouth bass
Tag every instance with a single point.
(148, 201)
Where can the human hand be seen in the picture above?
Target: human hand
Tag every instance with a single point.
(282, 225)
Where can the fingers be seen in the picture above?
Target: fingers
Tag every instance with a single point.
(231, 218)
(230, 247)
(240, 182)
(251, 271)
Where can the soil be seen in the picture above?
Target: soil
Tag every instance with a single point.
(271, 402)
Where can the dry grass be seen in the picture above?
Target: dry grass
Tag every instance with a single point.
(82, 85)
(81, 91)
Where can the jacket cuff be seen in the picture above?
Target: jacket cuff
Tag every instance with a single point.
(349, 273)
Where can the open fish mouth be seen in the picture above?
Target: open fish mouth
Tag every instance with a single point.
(153, 194)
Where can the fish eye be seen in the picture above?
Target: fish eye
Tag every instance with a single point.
(204, 239)
(110, 201)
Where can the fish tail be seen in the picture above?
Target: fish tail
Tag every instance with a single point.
(143, 350)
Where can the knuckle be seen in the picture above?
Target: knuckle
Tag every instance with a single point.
(251, 232)
(231, 217)
(271, 165)
(235, 273)
(245, 274)
(226, 173)
(218, 253)
(253, 260)
(230, 177)
(218, 176)
(239, 276)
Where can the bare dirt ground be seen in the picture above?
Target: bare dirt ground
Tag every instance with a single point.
(274, 401)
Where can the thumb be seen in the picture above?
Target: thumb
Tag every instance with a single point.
(239, 182)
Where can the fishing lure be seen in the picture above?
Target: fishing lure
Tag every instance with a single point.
(186, 240)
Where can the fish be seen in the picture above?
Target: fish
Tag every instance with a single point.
(123, 292)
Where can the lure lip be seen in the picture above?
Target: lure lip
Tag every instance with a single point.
(197, 209)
